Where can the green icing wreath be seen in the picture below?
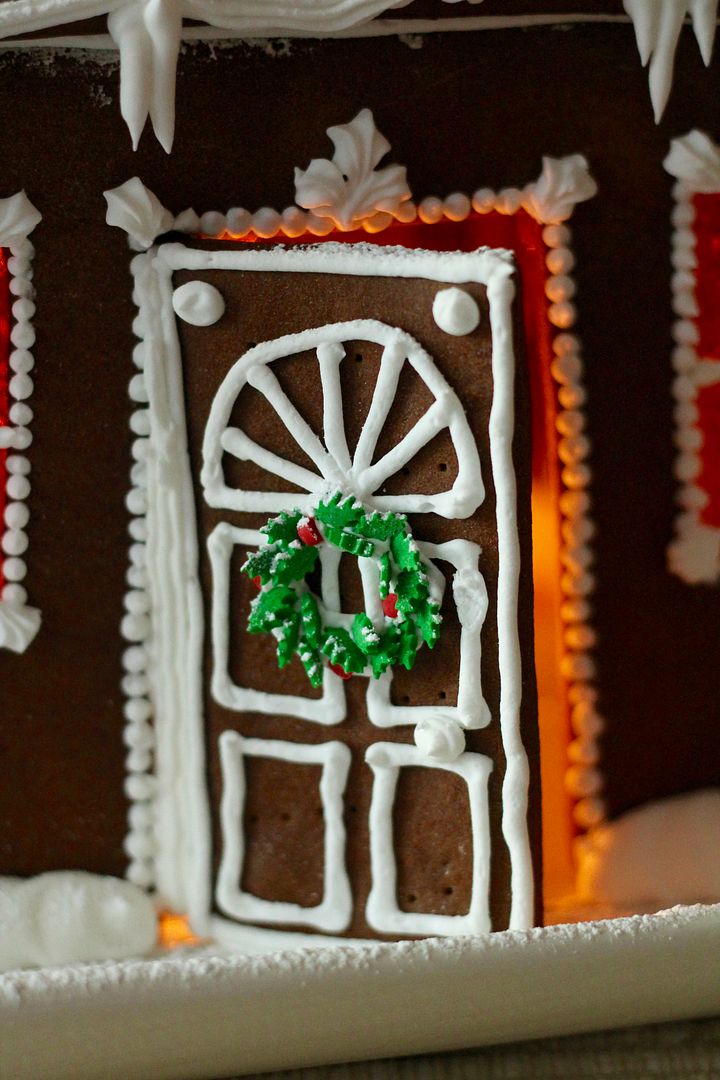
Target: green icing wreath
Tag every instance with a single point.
(287, 608)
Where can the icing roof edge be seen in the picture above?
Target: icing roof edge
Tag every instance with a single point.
(148, 34)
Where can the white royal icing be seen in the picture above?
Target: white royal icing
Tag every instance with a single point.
(439, 728)
(657, 30)
(563, 183)
(19, 623)
(455, 311)
(334, 911)
(351, 189)
(437, 740)
(364, 477)
(133, 208)
(694, 552)
(383, 912)
(148, 34)
(657, 855)
(198, 303)
(18, 626)
(67, 917)
(18, 218)
(169, 816)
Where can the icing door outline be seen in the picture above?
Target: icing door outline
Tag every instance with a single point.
(180, 755)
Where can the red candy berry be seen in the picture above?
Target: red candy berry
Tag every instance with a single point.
(337, 670)
(257, 582)
(389, 606)
(308, 532)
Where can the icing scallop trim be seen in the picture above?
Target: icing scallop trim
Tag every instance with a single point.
(694, 553)
(19, 623)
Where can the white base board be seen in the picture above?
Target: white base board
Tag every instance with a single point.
(208, 1015)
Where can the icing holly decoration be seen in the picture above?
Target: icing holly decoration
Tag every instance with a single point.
(349, 645)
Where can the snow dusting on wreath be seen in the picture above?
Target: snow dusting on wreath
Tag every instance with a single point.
(297, 618)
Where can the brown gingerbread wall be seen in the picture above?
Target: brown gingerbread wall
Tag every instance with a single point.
(462, 111)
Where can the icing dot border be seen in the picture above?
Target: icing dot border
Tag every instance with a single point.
(135, 627)
(14, 541)
(583, 779)
(694, 552)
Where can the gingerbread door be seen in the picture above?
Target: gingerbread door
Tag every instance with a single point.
(349, 616)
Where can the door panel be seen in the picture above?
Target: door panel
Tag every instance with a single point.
(421, 471)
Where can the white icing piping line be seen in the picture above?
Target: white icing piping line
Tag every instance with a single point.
(18, 623)
(380, 27)
(694, 553)
(138, 734)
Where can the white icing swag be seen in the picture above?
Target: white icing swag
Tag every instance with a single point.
(148, 35)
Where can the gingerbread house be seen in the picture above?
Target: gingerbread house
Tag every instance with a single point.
(403, 325)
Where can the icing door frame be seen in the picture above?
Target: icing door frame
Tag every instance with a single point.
(181, 800)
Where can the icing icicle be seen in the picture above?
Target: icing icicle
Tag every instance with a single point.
(658, 24)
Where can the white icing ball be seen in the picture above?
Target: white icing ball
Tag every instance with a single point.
(455, 312)
(66, 917)
(198, 303)
(14, 594)
(439, 739)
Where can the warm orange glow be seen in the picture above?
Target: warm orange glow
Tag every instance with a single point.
(174, 930)
(558, 868)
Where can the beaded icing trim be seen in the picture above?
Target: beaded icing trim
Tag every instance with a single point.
(19, 623)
